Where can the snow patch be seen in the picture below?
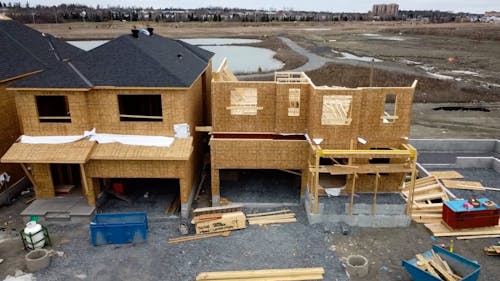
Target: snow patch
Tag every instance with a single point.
(381, 37)
(465, 72)
(440, 76)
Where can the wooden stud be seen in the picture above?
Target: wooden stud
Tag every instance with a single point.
(351, 204)
(374, 205)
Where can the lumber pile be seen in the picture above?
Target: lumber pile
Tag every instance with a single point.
(492, 250)
(218, 219)
(283, 216)
(314, 273)
(441, 230)
(437, 267)
(427, 189)
(447, 175)
(198, 237)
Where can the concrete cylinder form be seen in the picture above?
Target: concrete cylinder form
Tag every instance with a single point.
(37, 259)
(357, 265)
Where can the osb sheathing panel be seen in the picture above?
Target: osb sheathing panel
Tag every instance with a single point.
(291, 124)
(334, 136)
(9, 131)
(43, 179)
(223, 121)
(258, 154)
(28, 114)
(372, 127)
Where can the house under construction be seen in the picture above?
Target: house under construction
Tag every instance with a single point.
(357, 134)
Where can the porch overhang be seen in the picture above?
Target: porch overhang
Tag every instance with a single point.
(66, 153)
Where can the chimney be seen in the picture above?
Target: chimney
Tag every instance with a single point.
(150, 30)
(135, 33)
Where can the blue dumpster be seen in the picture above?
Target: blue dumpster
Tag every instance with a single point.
(468, 269)
(119, 228)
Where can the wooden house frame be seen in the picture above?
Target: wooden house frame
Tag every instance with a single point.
(292, 124)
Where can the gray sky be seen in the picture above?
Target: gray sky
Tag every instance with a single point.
(475, 6)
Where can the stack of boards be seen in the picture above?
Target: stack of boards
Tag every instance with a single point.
(427, 189)
(314, 273)
(437, 267)
(492, 250)
(218, 219)
(283, 216)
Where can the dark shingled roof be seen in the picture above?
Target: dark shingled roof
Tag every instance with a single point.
(24, 50)
(147, 61)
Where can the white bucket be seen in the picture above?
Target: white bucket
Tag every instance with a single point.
(37, 240)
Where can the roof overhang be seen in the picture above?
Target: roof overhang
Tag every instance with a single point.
(180, 150)
(67, 153)
(50, 89)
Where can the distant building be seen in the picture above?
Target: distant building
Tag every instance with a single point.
(492, 14)
(385, 10)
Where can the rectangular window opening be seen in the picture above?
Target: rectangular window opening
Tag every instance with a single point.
(244, 101)
(336, 110)
(293, 102)
(390, 103)
(53, 109)
(142, 108)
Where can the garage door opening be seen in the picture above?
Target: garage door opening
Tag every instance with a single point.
(157, 197)
(260, 186)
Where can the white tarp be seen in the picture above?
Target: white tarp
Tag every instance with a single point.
(102, 138)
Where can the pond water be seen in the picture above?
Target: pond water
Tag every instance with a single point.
(241, 59)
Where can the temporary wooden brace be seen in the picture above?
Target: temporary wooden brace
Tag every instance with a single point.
(30, 177)
(316, 181)
(351, 204)
(84, 180)
(411, 199)
(374, 205)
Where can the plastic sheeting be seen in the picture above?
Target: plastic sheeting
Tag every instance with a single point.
(159, 141)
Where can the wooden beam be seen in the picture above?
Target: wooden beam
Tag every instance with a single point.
(30, 177)
(198, 237)
(351, 203)
(270, 274)
(374, 205)
(84, 180)
(203, 128)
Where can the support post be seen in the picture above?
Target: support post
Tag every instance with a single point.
(374, 206)
(351, 203)
(316, 182)
(215, 182)
(410, 202)
(89, 192)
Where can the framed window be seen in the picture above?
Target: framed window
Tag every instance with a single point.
(53, 109)
(293, 102)
(390, 102)
(142, 108)
(244, 101)
(336, 110)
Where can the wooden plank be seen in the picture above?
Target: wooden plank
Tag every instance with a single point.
(280, 278)
(222, 209)
(471, 185)
(198, 237)
(478, 236)
(374, 204)
(351, 202)
(269, 273)
(273, 221)
(267, 213)
(447, 276)
(203, 128)
(426, 264)
(440, 230)
(447, 174)
(272, 217)
(424, 197)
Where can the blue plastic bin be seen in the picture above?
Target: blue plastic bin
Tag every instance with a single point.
(460, 265)
(120, 228)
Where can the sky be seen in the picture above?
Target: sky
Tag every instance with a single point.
(473, 6)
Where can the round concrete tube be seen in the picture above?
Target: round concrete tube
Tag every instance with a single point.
(357, 265)
(37, 259)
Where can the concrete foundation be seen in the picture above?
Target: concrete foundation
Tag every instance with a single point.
(37, 259)
(60, 209)
(390, 212)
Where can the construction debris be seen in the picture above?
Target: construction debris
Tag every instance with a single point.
(283, 216)
(427, 190)
(314, 273)
(437, 267)
(492, 250)
(198, 237)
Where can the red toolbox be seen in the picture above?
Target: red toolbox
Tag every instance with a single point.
(457, 216)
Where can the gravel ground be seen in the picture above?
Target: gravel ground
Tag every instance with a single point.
(274, 246)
